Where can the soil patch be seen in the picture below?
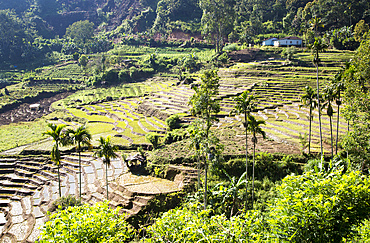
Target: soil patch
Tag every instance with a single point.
(246, 55)
(26, 112)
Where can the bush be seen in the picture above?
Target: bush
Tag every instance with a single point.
(362, 232)
(266, 165)
(192, 225)
(313, 207)
(175, 136)
(319, 207)
(173, 122)
(289, 52)
(64, 202)
(85, 223)
(223, 58)
(153, 138)
(232, 47)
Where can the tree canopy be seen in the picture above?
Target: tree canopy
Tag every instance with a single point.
(80, 31)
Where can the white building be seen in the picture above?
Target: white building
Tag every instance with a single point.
(269, 42)
(288, 41)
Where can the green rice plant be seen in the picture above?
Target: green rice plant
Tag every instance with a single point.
(100, 128)
(19, 134)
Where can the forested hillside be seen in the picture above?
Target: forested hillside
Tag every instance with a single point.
(30, 28)
(184, 121)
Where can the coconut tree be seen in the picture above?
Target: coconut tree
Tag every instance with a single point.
(315, 24)
(338, 83)
(255, 129)
(106, 151)
(245, 104)
(308, 100)
(56, 132)
(329, 97)
(79, 137)
(317, 47)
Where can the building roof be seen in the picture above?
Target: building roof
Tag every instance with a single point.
(271, 38)
(291, 38)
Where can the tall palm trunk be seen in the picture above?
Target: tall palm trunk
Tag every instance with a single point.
(318, 106)
(309, 132)
(254, 152)
(205, 184)
(106, 178)
(336, 142)
(79, 165)
(246, 160)
(58, 164)
(60, 188)
(198, 171)
(331, 136)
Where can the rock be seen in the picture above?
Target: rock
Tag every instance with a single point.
(34, 106)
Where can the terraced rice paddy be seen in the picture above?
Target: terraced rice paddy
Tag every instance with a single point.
(278, 88)
(28, 186)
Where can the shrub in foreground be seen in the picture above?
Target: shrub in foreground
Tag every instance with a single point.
(86, 223)
(63, 203)
(192, 225)
(313, 207)
(320, 207)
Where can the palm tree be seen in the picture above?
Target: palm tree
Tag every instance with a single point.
(106, 151)
(339, 86)
(315, 24)
(317, 47)
(308, 99)
(245, 104)
(254, 128)
(56, 132)
(80, 136)
(329, 97)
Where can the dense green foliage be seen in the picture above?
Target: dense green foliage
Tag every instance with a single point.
(85, 223)
(80, 31)
(356, 78)
(313, 207)
(32, 30)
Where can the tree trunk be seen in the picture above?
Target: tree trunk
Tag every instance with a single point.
(318, 106)
(106, 177)
(198, 170)
(205, 184)
(331, 136)
(60, 188)
(254, 152)
(233, 206)
(309, 132)
(336, 142)
(79, 165)
(246, 161)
